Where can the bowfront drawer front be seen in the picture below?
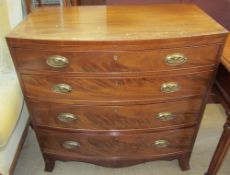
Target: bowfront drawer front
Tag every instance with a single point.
(116, 62)
(96, 118)
(116, 89)
(122, 146)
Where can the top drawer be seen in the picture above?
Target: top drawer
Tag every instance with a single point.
(115, 61)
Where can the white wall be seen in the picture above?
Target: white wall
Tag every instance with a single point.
(14, 12)
(10, 16)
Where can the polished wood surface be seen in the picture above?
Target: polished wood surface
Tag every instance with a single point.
(118, 2)
(120, 118)
(226, 55)
(218, 9)
(116, 80)
(116, 61)
(116, 23)
(110, 148)
(222, 148)
(108, 91)
(223, 88)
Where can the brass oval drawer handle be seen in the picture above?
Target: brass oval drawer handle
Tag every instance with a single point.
(70, 145)
(57, 61)
(161, 144)
(66, 117)
(175, 59)
(165, 116)
(170, 87)
(62, 88)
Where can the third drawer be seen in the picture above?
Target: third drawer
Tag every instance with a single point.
(157, 116)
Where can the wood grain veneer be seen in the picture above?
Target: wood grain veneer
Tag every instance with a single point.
(119, 118)
(226, 55)
(115, 89)
(222, 86)
(116, 68)
(93, 146)
(115, 61)
(104, 23)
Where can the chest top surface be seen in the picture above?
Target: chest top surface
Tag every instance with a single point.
(116, 23)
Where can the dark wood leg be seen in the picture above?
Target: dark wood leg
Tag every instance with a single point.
(49, 164)
(221, 150)
(32, 126)
(28, 5)
(74, 2)
(184, 162)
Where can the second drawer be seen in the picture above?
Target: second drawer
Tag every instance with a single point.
(113, 90)
(103, 118)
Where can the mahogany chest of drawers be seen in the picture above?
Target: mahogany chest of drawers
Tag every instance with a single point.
(116, 85)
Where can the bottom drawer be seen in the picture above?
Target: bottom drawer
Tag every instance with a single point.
(114, 145)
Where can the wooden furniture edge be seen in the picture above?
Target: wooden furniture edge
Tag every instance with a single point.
(156, 43)
(224, 141)
(226, 54)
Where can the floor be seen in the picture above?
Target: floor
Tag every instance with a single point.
(31, 163)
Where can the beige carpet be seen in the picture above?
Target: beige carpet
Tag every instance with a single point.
(31, 163)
